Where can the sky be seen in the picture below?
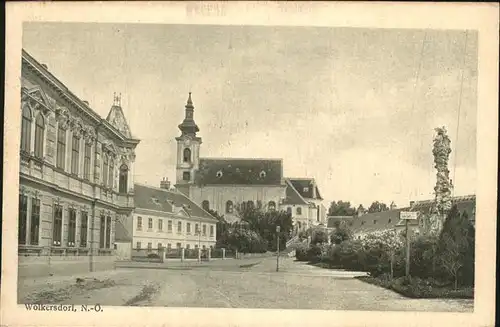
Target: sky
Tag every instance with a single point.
(354, 108)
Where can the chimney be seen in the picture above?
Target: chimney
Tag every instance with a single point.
(165, 184)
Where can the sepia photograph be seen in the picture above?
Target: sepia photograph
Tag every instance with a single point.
(247, 166)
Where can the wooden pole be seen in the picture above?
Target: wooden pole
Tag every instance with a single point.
(407, 249)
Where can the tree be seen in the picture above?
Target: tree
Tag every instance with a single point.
(340, 234)
(378, 207)
(456, 243)
(319, 237)
(341, 208)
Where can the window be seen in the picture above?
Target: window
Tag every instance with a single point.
(26, 130)
(71, 227)
(289, 210)
(187, 155)
(204, 230)
(196, 246)
(86, 161)
(102, 231)
(83, 229)
(179, 227)
(150, 223)
(205, 205)
(219, 174)
(39, 129)
(23, 218)
(299, 211)
(35, 221)
(203, 247)
(169, 226)
(105, 170)
(186, 176)
(262, 174)
(139, 223)
(160, 246)
(138, 245)
(188, 228)
(75, 153)
(111, 181)
(271, 205)
(229, 207)
(179, 245)
(122, 184)
(196, 229)
(57, 226)
(212, 231)
(160, 224)
(61, 147)
(169, 246)
(108, 232)
(188, 246)
(150, 246)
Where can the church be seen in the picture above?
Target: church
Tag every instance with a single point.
(226, 184)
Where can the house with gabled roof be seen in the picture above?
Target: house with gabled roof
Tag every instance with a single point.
(226, 184)
(164, 219)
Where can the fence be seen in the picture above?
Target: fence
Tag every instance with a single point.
(148, 255)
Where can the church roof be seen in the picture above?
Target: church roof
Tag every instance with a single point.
(229, 171)
(293, 197)
(306, 187)
(153, 198)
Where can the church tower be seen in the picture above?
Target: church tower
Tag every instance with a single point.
(188, 147)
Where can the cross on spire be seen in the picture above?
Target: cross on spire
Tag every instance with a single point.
(117, 99)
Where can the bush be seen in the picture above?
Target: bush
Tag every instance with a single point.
(301, 253)
(314, 253)
(319, 237)
(153, 256)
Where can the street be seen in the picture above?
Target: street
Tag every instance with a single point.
(248, 283)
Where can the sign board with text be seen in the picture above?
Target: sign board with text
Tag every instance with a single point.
(408, 215)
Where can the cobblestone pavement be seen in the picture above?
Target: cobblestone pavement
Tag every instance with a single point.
(256, 285)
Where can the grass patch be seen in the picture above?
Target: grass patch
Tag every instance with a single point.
(248, 265)
(419, 288)
(53, 296)
(146, 294)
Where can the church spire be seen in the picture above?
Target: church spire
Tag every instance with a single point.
(188, 126)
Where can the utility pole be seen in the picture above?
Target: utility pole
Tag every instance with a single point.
(407, 249)
(277, 248)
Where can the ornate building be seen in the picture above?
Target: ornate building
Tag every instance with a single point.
(224, 184)
(76, 176)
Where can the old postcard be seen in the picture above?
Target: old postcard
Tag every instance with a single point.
(277, 164)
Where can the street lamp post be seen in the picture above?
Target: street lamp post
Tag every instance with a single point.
(277, 248)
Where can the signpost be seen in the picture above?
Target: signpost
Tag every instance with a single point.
(406, 216)
(277, 247)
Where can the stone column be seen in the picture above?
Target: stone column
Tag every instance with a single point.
(182, 254)
(199, 254)
(209, 254)
(223, 253)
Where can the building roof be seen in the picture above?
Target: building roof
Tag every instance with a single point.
(377, 221)
(293, 197)
(306, 187)
(229, 171)
(332, 219)
(153, 198)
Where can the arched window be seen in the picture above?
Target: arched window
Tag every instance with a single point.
(205, 205)
(26, 130)
(122, 184)
(299, 210)
(229, 207)
(271, 206)
(61, 147)
(39, 129)
(187, 155)
(111, 172)
(105, 171)
(289, 210)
